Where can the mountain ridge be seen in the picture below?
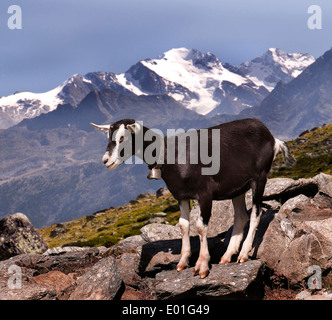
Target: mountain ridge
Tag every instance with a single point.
(200, 81)
(303, 103)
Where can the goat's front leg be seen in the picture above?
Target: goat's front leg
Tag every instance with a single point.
(184, 225)
(202, 264)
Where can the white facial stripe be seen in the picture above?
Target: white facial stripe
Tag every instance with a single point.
(112, 159)
(120, 133)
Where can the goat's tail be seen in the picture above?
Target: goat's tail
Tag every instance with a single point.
(282, 146)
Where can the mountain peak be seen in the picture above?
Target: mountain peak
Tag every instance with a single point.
(275, 65)
(198, 58)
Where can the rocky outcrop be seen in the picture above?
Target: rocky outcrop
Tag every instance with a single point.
(66, 274)
(294, 242)
(102, 282)
(294, 234)
(17, 236)
(236, 281)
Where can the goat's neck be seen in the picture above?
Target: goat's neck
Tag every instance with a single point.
(142, 154)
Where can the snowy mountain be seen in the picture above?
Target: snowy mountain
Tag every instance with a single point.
(27, 105)
(303, 103)
(21, 105)
(275, 65)
(199, 81)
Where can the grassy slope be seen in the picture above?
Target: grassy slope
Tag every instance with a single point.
(313, 152)
(109, 226)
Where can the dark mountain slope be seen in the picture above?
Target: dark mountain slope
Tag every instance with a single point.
(51, 165)
(303, 103)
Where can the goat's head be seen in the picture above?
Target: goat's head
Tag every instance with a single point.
(120, 141)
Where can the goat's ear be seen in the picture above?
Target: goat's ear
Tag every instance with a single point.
(104, 127)
(134, 128)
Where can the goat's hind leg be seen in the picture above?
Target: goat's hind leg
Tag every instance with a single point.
(184, 225)
(256, 212)
(240, 220)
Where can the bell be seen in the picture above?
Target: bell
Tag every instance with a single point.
(154, 174)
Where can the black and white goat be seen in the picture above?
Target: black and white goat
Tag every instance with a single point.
(247, 149)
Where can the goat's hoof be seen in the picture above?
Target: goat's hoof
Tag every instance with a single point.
(223, 260)
(181, 267)
(241, 260)
(203, 271)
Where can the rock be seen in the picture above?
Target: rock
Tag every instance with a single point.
(130, 244)
(157, 231)
(165, 254)
(102, 282)
(323, 199)
(18, 236)
(225, 281)
(161, 192)
(272, 204)
(52, 285)
(292, 244)
(61, 250)
(221, 218)
(128, 265)
(303, 295)
(320, 295)
(160, 214)
(324, 183)
(68, 262)
(157, 220)
(54, 276)
(63, 284)
(59, 229)
(282, 189)
(298, 202)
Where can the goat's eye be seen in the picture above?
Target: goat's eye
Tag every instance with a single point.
(121, 139)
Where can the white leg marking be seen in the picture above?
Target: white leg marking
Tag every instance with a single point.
(254, 222)
(240, 220)
(184, 225)
(202, 264)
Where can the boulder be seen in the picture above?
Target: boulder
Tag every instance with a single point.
(292, 204)
(282, 189)
(165, 254)
(161, 192)
(15, 284)
(45, 277)
(59, 282)
(102, 282)
(221, 218)
(128, 265)
(18, 236)
(320, 295)
(130, 244)
(323, 199)
(157, 231)
(225, 281)
(293, 243)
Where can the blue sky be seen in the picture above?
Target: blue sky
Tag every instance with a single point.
(62, 37)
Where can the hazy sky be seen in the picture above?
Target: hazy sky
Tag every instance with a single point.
(62, 37)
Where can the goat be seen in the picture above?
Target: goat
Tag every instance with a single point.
(247, 149)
